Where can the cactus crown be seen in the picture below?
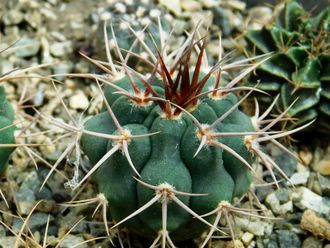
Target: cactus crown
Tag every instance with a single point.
(183, 89)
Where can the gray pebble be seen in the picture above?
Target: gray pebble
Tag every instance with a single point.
(324, 184)
(25, 200)
(286, 162)
(12, 17)
(5, 66)
(38, 99)
(255, 226)
(279, 202)
(288, 239)
(38, 221)
(282, 195)
(221, 19)
(62, 68)
(72, 240)
(7, 241)
(27, 47)
(312, 242)
(299, 178)
(2, 231)
(284, 239)
(26, 194)
(17, 224)
(44, 194)
(272, 242)
(59, 49)
(31, 182)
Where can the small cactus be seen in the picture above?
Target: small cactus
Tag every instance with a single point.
(171, 146)
(6, 130)
(299, 67)
(158, 143)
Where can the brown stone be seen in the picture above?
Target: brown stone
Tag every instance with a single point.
(315, 224)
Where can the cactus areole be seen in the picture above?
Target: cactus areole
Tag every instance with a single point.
(174, 158)
(6, 130)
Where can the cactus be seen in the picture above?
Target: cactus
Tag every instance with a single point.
(166, 159)
(6, 130)
(299, 67)
(170, 149)
(172, 145)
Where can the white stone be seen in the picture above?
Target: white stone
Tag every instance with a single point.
(120, 7)
(259, 16)
(154, 13)
(10, 241)
(239, 5)
(48, 13)
(140, 11)
(13, 17)
(190, 5)
(79, 101)
(38, 99)
(210, 3)
(71, 240)
(53, 2)
(172, 5)
(6, 66)
(145, 21)
(206, 17)
(247, 238)
(304, 198)
(27, 47)
(59, 49)
(254, 225)
(276, 206)
(299, 178)
(105, 16)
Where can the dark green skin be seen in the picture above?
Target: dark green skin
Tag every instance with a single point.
(167, 157)
(299, 66)
(165, 165)
(6, 134)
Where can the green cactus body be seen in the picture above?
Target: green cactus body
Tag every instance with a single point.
(299, 67)
(167, 157)
(6, 129)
